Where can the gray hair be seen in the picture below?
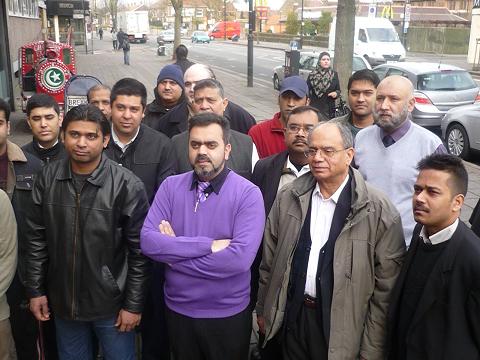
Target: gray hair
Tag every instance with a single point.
(342, 126)
(211, 84)
(97, 88)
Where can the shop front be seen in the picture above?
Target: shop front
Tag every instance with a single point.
(67, 20)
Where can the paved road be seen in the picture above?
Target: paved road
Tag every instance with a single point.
(229, 63)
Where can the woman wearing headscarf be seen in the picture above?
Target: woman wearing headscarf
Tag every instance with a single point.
(324, 86)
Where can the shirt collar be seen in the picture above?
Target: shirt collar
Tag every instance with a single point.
(120, 144)
(336, 194)
(41, 147)
(441, 236)
(399, 132)
(277, 123)
(215, 184)
(305, 169)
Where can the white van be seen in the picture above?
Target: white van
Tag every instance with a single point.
(375, 39)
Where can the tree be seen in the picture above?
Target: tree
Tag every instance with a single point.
(344, 34)
(323, 24)
(112, 6)
(309, 27)
(177, 7)
(293, 24)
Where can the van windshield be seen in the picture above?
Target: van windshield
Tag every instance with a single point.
(382, 35)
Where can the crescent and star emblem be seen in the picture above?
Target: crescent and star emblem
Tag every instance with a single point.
(54, 77)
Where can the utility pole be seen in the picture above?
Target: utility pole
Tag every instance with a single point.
(85, 26)
(251, 24)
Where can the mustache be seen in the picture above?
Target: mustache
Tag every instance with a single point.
(421, 208)
(300, 141)
(202, 158)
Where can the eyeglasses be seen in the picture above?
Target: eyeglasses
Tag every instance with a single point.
(295, 129)
(324, 152)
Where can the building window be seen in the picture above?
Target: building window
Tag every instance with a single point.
(25, 8)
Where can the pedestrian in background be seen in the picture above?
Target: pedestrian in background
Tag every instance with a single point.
(181, 53)
(120, 38)
(126, 51)
(114, 39)
(100, 33)
(324, 86)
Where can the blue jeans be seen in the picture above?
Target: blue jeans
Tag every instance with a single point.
(126, 57)
(74, 340)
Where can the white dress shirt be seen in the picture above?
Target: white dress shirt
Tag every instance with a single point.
(441, 236)
(320, 223)
(120, 144)
(290, 173)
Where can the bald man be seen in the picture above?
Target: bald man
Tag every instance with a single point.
(176, 120)
(387, 154)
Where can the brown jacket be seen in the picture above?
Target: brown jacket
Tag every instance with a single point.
(367, 259)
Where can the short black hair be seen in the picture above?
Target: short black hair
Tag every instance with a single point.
(87, 112)
(42, 101)
(364, 75)
(450, 164)
(97, 88)
(181, 52)
(129, 87)
(208, 118)
(211, 84)
(305, 108)
(5, 107)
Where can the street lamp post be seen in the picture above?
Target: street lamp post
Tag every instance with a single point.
(251, 23)
(85, 26)
(224, 19)
(301, 28)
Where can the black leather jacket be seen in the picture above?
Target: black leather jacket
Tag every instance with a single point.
(83, 251)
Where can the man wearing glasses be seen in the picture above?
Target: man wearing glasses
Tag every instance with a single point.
(332, 249)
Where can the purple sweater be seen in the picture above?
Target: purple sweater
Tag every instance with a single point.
(199, 283)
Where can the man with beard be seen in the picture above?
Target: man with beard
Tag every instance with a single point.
(362, 87)
(169, 92)
(206, 226)
(387, 154)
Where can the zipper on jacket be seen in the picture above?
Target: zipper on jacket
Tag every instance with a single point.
(77, 210)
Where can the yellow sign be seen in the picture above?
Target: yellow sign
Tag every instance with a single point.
(387, 12)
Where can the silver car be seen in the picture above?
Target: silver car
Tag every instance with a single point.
(438, 88)
(461, 130)
(308, 62)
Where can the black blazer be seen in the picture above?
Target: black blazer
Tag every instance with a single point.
(446, 324)
(266, 176)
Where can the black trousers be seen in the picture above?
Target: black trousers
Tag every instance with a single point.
(210, 339)
(304, 339)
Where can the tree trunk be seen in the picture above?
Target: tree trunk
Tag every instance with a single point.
(177, 6)
(344, 38)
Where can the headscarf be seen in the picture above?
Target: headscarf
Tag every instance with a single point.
(321, 78)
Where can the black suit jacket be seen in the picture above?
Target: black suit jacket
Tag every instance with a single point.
(446, 324)
(266, 176)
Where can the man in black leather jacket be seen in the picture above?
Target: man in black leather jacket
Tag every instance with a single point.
(83, 258)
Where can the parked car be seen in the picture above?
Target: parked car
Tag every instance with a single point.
(167, 36)
(461, 130)
(200, 37)
(308, 62)
(438, 88)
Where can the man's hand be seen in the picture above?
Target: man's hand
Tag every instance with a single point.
(127, 321)
(333, 94)
(166, 229)
(39, 308)
(221, 244)
(261, 324)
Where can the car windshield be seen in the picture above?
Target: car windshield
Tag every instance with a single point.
(446, 81)
(382, 35)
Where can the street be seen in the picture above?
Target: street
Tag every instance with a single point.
(229, 62)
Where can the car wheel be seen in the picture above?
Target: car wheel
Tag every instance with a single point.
(276, 82)
(457, 141)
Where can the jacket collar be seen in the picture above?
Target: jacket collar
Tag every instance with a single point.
(97, 177)
(14, 152)
(306, 183)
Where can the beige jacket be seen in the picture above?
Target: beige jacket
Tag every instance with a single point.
(367, 259)
(8, 251)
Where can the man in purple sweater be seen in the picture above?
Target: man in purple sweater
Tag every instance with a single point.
(206, 225)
